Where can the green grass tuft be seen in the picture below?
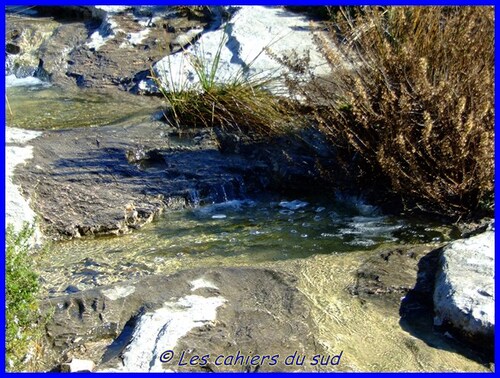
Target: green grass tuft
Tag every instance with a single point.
(240, 103)
(23, 327)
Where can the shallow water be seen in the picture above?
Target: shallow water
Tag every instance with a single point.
(369, 334)
(322, 241)
(44, 107)
(238, 232)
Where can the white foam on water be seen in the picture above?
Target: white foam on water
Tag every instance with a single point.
(362, 242)
(366, 226)
(219, 216)
(293, 205)
(29, 81)
(227, 205)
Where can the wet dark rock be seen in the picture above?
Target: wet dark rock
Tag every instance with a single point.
(71, 289)
(388, 275)
(254, 301)
(228, 142)
(113, 179)
(61, 37)
(43, 47)
(69, 13)
(11, 48)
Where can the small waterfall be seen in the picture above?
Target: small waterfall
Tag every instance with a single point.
(227, 191)
(232, 189)
(240, 186)
(224, 193)
(194, 197)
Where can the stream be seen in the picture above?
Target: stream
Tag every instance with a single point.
(322, 240)
(232, 233)
(37, 106)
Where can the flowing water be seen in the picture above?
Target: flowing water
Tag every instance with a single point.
(237, 232)
(320, 240)
(44, 107)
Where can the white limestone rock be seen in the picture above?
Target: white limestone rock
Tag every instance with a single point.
(18, 210)
(464, 296)
(249, 40)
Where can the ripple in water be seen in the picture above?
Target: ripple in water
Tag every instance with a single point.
(232, 233)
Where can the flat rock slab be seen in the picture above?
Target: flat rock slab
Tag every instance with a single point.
(113, 179)
(464, 296)
(202, 312)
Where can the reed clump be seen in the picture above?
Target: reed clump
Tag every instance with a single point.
(240, 102)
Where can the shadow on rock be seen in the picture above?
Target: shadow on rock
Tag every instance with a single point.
(112, 179)
(417, 313)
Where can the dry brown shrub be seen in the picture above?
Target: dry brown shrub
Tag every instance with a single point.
(411, 93)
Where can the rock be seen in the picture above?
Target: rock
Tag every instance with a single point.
(18, 210)
(86, 181)
(475, 227)
(27, 34)
(77, 365)
(183, 41)
(464, 296)
(216, 311)
(388, 275)
(95, 46)
(11, 48)
(250, 40)
(127, 42)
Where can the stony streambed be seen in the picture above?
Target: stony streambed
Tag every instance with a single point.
(161, 241)
(232, 233)
(329, 247)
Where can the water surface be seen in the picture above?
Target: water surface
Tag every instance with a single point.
(45, 107)
(237, 232)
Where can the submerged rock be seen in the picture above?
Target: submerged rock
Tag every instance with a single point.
(159, 322)
(388, 275)
(464, 296)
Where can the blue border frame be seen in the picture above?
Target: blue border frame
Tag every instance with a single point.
(246, 2)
